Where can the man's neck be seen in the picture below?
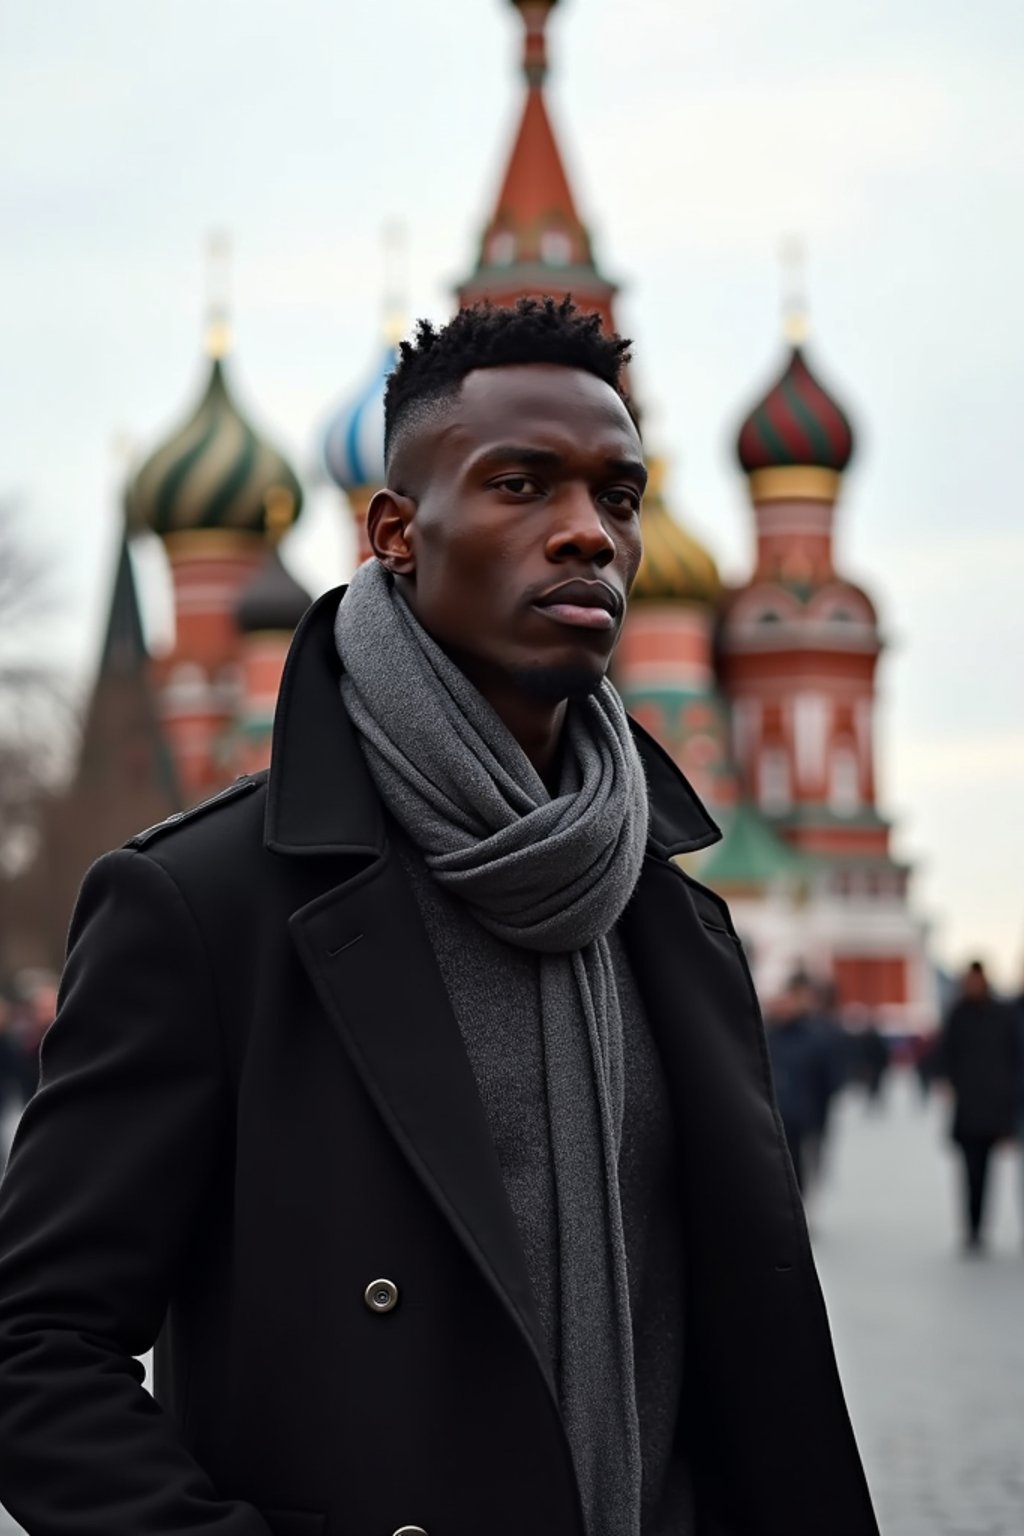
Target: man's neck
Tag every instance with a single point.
(535, 724)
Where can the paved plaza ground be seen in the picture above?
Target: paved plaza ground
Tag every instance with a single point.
(931, 1345)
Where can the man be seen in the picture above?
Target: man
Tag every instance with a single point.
(803, 1071)
(830, 1077)
(977, 1056)
(412, 1095)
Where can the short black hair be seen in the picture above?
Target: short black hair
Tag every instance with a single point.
(431, 367)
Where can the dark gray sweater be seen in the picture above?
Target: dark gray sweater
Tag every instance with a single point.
(494, 991)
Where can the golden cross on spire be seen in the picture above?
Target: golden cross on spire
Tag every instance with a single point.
(795, 323)
(218, 277)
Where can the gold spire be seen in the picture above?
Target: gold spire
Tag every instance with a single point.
(795, 322)
(218, 273)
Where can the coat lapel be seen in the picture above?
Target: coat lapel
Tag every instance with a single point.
(367, 953)
(364, 946)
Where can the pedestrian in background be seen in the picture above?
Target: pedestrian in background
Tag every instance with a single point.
(924, 1057)
(874, 1063)
(832, 1073)
(979, 1058)
(799, 1053)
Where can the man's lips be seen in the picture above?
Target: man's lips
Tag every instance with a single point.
(582, 605)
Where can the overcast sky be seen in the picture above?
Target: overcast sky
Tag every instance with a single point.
(699, 133)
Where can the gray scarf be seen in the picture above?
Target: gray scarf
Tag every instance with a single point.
(551, 875)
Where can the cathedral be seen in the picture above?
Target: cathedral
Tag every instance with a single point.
(763, 693)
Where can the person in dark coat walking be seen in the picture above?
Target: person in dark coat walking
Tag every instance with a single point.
(874, 1062)
(831, 1070)
(802, 1070)
(412, 1098)
(978, 1057)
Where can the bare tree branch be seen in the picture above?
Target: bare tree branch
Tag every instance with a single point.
(37, 713)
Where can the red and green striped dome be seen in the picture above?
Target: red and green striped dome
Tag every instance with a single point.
(797, 423)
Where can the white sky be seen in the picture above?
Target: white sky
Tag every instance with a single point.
(887, 133)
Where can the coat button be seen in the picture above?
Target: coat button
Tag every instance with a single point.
(381, 1296)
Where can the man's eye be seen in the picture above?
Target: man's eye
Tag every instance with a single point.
(518, 485)
(623, 500)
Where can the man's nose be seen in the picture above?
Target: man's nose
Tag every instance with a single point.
(578, 531)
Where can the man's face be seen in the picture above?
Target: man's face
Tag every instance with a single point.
(525, 536)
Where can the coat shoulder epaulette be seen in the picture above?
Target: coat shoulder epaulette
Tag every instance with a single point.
(241, 786)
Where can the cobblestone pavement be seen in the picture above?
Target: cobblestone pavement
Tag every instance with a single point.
(930, 1344)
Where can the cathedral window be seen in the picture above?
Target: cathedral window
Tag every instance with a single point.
(501, 248)
(810, 728)
(187, 688)
(556, 247)
(228, 688)
(844, 782)
(775, 793)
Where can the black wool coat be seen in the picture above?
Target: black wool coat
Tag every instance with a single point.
(255, 1102)
(979, 1055)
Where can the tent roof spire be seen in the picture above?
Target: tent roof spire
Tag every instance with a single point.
(535, 241)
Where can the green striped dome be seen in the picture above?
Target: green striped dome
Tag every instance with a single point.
(214, 472)
(675, 567)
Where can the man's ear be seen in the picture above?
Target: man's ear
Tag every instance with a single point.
(387, 528)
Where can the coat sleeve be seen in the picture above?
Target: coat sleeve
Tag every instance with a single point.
(103, 1185)
(944, 1062)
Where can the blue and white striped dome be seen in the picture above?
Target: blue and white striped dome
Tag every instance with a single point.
(353, 444)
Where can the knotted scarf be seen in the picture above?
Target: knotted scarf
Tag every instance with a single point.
(551, 874)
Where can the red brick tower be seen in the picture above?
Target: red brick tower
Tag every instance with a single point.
(535, 242)
(799, 646)
(800, 642)
(207, 491)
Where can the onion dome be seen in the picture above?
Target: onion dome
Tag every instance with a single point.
(353, 443)
(215, 471)
(675, 567)
(273, 600)
(797, 423)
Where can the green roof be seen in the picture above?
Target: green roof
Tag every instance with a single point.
(751, 853)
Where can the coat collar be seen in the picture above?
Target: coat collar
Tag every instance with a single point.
(322, 800)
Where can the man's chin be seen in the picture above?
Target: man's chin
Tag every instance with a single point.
(556, 684)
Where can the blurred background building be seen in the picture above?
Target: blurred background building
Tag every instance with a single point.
(764, 694)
